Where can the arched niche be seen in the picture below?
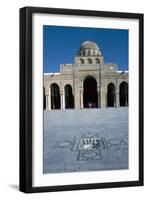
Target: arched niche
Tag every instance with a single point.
(123, 94)
(55, 96)
(111, 95)
(69, 99)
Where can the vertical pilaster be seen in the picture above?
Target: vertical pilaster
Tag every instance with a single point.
(77, 99)
(77, 94)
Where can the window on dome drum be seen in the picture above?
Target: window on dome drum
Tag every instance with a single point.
(69, 99)
(89, 61)
(88, 52)
(123, 94)
(111, 95)
(55, 96)
(90, 95)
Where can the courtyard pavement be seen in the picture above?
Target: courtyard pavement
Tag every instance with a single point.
(85, 140)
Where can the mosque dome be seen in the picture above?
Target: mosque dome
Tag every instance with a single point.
(89, 45)
(89, 48)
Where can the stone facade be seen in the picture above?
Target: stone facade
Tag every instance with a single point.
(87, 83)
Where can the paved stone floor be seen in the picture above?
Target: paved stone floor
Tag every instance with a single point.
(85, 140)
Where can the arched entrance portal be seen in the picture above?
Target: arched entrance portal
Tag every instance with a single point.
(123, 94)
(55, 96)
(111, 97)
(69, 100)
(90, 96)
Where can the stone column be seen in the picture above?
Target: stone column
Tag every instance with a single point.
(98, 94)
(63, 96)
(81, 99)
(48, 100)
(99, 97)
(62, 101)
(103, 97)
(117, 98)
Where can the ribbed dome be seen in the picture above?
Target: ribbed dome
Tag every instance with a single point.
(89, 48)
(89, 45)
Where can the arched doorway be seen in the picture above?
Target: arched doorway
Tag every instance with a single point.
(90, 96)
(55, 96)
(44, 99)
(123, 94)
(69, 99)
(111, 96)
